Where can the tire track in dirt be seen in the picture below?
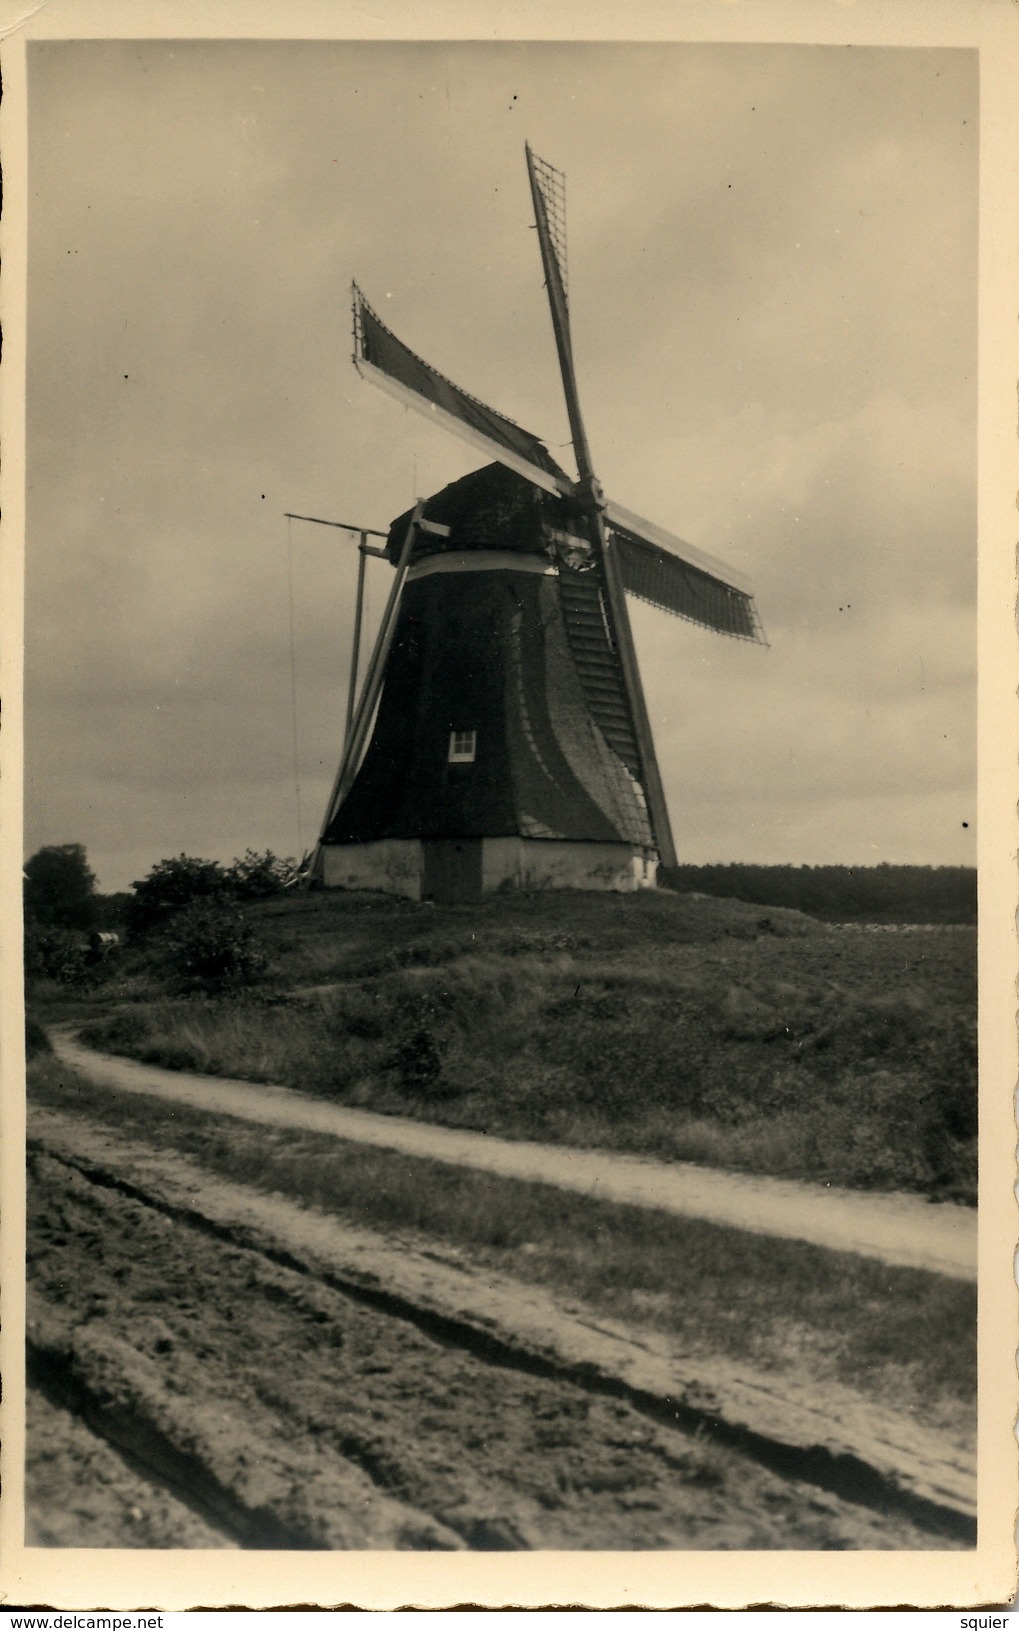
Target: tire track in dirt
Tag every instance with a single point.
(891, 1473)
(81, 1490)
(60, 1372)
(897, 1229)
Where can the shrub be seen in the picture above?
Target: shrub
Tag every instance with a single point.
(256, 877)
(210, 945)
(170, 886)
(418, 1064)
(56, 954)
(175, 883)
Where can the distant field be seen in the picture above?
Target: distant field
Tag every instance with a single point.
(692, 1028)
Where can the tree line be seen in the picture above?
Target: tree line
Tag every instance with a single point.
(188, 907)
(841, 894)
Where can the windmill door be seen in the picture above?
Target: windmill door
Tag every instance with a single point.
(452, 871)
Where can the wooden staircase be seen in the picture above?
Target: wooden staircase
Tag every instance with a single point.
(597, 661)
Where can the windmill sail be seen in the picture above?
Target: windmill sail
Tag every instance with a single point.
(674, 576)
(548, 195)
(380, 356)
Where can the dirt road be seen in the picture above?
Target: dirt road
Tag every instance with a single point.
(895, 1229)
(200, 1359)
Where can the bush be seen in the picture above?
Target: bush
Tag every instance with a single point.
(418, 1065)
(176, 883)
(256, 877)
(56, 954)
(210, 945)
(171, 886)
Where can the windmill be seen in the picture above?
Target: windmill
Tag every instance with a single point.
(501, 737)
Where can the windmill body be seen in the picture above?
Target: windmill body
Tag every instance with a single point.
(501, 738)
(487, 767)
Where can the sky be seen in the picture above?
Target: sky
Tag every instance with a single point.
(772, 255)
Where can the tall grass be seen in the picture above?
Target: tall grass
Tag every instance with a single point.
(696, 1030)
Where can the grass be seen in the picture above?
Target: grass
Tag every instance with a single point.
(685, 1028)
(896, 1335)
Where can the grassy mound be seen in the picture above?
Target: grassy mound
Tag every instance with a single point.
(677, 1026)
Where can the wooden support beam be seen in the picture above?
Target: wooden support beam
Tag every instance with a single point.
(356, 648)
(368, 701)
(344, 526)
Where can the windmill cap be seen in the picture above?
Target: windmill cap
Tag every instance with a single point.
(491, 508)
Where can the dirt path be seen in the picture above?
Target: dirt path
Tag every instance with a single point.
(896, 1229)
(299, 1383)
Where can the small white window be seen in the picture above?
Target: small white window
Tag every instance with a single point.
(462, 747)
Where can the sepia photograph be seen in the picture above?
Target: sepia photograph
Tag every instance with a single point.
(500, 903)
